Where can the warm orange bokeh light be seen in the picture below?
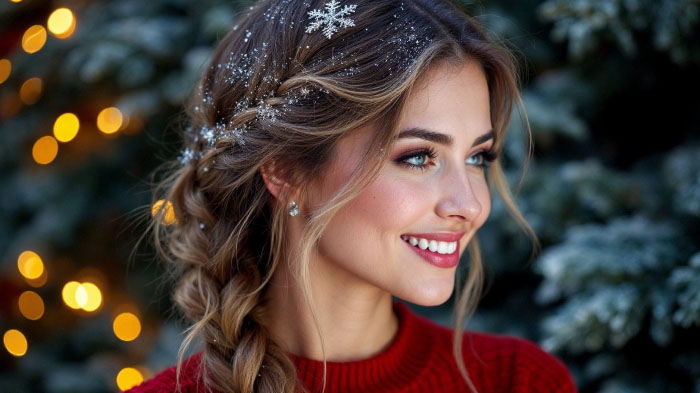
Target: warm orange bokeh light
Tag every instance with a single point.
(168, 214)
(30, 91)
(34, 39)
(5, 69)
(39, 281)
(15, 342)
(86, 296)
(93, 298)
(10, 104)
(31, 305)
(45, 150)
(129, 377)
(30, 264)
(61, 23)
(126, 326)
(66, 126)
(109, 120)
(68, 294)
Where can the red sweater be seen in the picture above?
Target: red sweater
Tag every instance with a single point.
(419, 359)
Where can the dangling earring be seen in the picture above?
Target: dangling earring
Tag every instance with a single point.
(293, 208)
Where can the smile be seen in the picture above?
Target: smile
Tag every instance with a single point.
(435, 246)
(439, 253)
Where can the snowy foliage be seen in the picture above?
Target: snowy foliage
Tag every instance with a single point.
(586, 25)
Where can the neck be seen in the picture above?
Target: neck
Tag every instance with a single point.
(356, 319)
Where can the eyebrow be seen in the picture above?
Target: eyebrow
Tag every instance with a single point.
(443, 139)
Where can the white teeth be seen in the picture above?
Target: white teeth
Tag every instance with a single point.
(423, 244)
(432, 245)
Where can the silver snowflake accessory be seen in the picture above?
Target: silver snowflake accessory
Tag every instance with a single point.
(331, 18)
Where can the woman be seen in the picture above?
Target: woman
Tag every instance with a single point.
(338, 155)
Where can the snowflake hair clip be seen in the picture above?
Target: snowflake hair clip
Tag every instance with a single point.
(331, 18)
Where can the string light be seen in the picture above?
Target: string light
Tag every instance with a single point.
(30, 264)
(66, 127)
(61, 23)
(15, 342)
(109, 120)
(34, 39)
(31, 305)
(68, 294)
(127, 326)
(30, 91)
(5, 69)
(168, 215)
(39, 281)
(86, 296)
(129, 377)
(45, 150)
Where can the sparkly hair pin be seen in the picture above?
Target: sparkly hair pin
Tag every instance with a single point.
(331, 18)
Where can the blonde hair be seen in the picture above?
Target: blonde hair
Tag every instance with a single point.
(290, 96)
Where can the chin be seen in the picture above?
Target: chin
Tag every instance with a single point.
(430, 296)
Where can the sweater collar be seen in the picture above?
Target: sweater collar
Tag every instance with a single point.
(394, 368)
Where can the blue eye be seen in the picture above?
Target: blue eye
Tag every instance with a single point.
(417, 160)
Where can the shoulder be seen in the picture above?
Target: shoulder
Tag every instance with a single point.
(165, 381)
(526, 366)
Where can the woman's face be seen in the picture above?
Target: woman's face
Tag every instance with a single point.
(368, 242)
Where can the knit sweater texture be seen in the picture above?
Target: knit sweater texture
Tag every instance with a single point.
(418, 360)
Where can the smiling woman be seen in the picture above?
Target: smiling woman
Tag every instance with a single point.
(324, 173)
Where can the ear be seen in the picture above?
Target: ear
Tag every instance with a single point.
(274, 180)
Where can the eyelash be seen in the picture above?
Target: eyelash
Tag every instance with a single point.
(489, 156)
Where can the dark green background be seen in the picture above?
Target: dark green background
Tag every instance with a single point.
(613, 191)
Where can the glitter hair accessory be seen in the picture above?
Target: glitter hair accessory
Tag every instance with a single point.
(332, 18)
(240, 68)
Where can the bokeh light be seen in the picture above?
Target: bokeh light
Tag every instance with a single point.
(66, 126)
(31, 305)
(34, 39)
(61, 23)
(5, 69)
(10, 104)
(68, 294)
(15, 342)
(109, 120)
(168, 214)
(94, 296)
(30, 91)
(86, 296)
(45, 150)
(30, 264)
(127, 326)
(129, 377)
(39, 281)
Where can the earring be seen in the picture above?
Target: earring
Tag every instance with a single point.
(293, 208)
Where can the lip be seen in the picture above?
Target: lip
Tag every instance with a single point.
(439, 260)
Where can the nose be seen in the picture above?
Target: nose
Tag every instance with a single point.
(458, 201)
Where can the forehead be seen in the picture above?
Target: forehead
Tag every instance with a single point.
(448, 98)
(451, 99)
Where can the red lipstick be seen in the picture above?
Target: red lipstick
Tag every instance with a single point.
(435, 258)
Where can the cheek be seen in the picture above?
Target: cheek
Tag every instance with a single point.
(389, 204)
